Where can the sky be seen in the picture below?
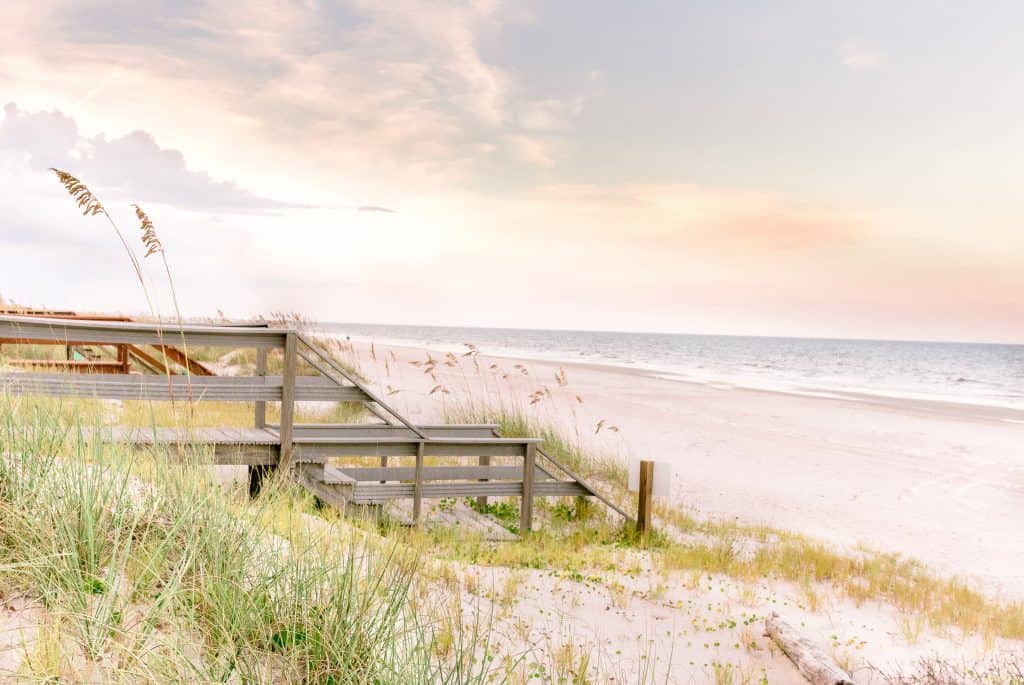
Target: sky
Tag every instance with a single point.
(816, 168)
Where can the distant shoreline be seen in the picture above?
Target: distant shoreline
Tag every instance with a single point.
(935, 405)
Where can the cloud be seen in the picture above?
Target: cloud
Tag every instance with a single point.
(406, 90)
(547, 115)
(134, 164)
(859, 57)
(371, 208)
(530, 150)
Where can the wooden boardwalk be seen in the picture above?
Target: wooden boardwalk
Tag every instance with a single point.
(500, 466)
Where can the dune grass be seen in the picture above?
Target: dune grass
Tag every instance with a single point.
(750, 553)
(148, 571)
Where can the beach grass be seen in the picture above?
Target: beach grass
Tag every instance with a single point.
(148, 570)
(689, 543)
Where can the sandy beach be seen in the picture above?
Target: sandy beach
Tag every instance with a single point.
(936, 481)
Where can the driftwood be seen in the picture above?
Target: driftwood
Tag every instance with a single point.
(810, 659)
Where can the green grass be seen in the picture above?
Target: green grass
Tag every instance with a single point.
(714, 546)
(149, 571)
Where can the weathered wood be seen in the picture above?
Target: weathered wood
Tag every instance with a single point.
(124, 359)
(371, 491)
(332, 475)
(288, 400)
(810, 659)
(377, 430)
(162, 388)
(309, 448)
(30, 330)
(202, 436)
(260, 409)
(526, 507)
(311, 477)
(417, 495)
(481, 501)
(644, 497)
(186, 362)
(107, 366)
(405, 473)
(147, 360)
(459, 516)
(372, 396)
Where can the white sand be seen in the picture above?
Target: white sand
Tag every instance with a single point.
(940, 482)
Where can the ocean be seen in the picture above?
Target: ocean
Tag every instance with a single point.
(971, 373)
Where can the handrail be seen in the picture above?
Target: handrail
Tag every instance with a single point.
(359, 384)
(29, 329)
(608, 503)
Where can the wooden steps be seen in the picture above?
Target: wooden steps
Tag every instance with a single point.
(525, 471)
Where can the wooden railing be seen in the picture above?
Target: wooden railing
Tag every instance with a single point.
(304, 446)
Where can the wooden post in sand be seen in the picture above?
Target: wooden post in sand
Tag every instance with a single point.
(644, 497)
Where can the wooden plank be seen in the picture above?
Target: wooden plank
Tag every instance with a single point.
(400, 473)
(561, 488)
(184, 361)
(481, 501)
(146, 359)
(260, 411)
(315, 449)
(373, 491)
(31, 330)
(310, 476)
(526, 507)
(417, 496)
(288, 400)
(73, 366)
(149, 436)
(332, 475)
(378, 430)
(162, 388)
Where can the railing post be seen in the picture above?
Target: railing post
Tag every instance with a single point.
(529, 471)
(261, 370)
(481, 501)
(643, 508)
(122, 358)
(288, 400)
(417, 494)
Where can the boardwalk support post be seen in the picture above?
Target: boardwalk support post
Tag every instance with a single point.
(481, 501)
(529, 472)
(259, 472)
(288, 401)
(643, 508)
(417, 495)
(261, 370)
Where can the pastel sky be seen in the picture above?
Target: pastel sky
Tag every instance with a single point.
(810, 168)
